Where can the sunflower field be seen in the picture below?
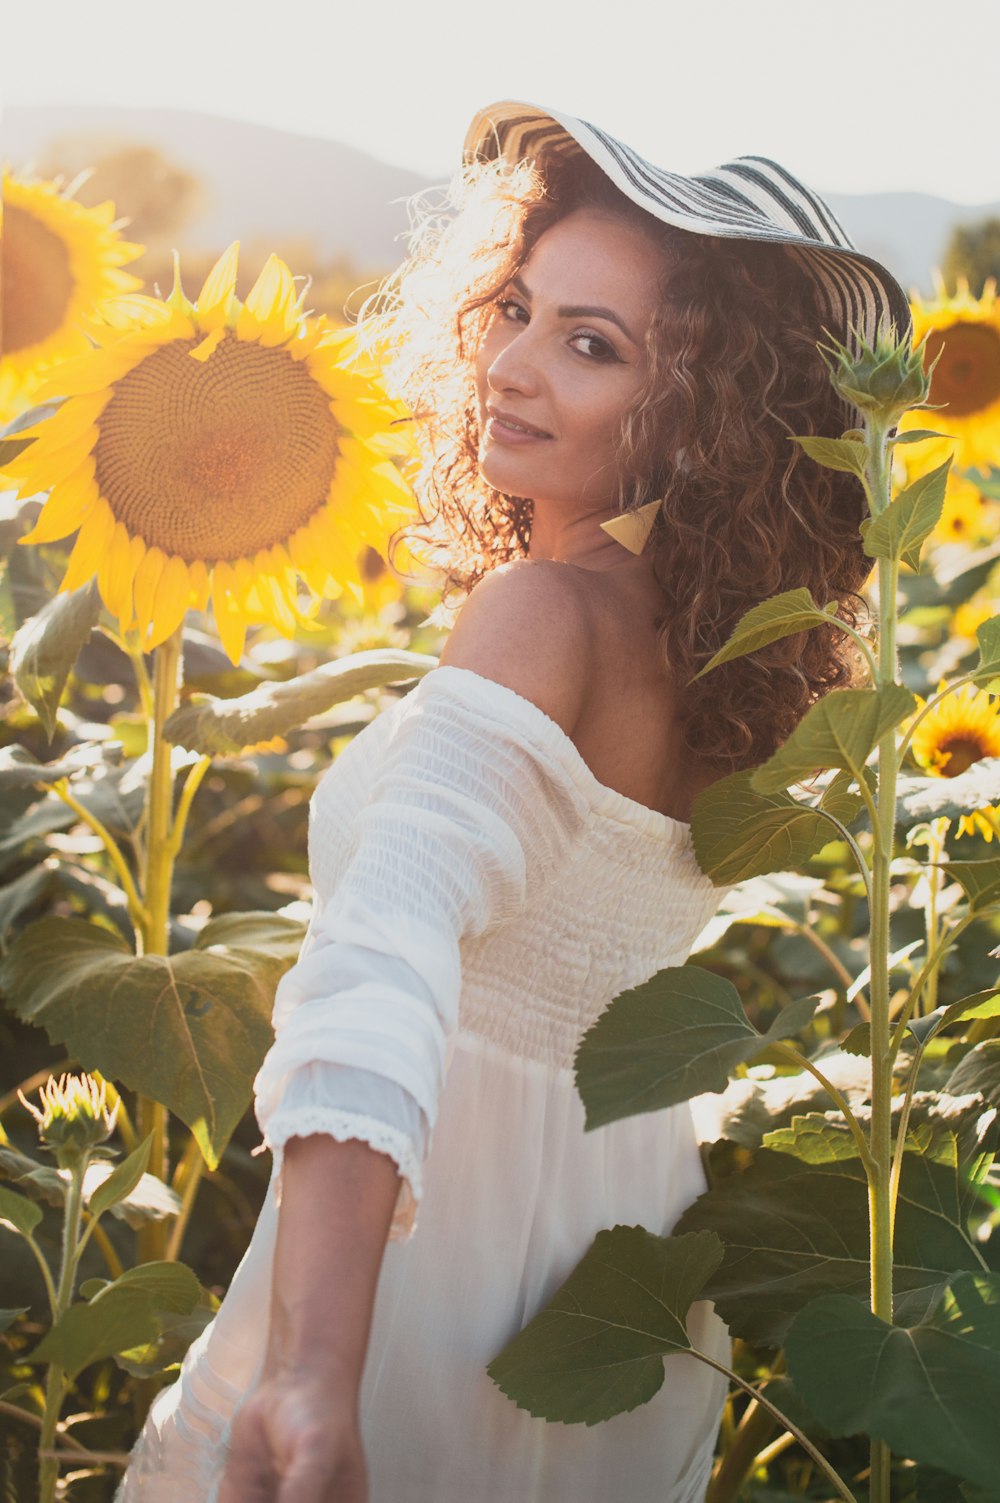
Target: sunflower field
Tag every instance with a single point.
(198, 492)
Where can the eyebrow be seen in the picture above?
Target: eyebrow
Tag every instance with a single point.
(578, 312)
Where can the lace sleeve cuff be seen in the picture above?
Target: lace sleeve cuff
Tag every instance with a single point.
(348, 1103)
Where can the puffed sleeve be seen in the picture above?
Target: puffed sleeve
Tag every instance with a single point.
(472, 803)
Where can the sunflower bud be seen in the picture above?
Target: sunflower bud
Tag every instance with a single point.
(74, 1117)
(885, 380)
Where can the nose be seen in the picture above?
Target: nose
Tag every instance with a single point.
(516, 366)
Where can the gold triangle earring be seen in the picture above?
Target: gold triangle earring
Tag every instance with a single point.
(632, 528)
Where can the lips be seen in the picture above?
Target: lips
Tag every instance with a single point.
(509, 419)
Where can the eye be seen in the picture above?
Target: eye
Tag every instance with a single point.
(503, 303)
(604, 350)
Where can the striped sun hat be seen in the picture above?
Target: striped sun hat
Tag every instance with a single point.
(749, 198)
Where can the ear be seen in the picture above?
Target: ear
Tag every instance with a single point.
(632, 528)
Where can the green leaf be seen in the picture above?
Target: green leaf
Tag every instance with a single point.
(177, 1331)
(840, 801)
(929, 1392)
(917, 435)
(978, 1072)
(189, 1030)
(780, 616)
(8, 1317)
(123, 1315)
(988, 637)
(598, 1346)
(21, 894)
(919, 799)
(224, 727)
(752, 1106)
(816, 1138)
(979, 880)
(19, 769)
(679, 1034)
(841, 730)
(900, 530)
(17, 1213)
(794, 1231)
(45, 648)
(836, 453)
(40, 1181)
(778, 900)
(170, 1286)
(859, 1040)
(150, 1200)
(121, 1181)
(984, 1004)
(738, 833)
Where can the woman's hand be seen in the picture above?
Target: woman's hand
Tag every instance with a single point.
(294, 1442)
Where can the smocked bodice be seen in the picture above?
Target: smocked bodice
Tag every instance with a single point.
(625, 900)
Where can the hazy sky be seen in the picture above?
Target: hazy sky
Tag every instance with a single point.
(853, 95)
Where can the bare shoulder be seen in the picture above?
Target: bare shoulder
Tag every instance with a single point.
(529, 626)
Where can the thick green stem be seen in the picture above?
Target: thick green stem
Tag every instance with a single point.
(151, 1116)
(55, 1384)
(880, 1143)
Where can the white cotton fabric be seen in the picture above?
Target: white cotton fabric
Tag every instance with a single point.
(480, 899)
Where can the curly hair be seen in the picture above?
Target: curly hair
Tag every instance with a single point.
(733, 371)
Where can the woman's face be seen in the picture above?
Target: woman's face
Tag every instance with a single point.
(564, 354)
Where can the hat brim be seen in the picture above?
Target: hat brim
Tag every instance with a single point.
(749, 198)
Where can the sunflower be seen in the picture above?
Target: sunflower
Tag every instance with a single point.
(217, 451)
(965, 331)
(961, 729)
(381, 585)
(967, 516)
(61, 261)
(973, 612)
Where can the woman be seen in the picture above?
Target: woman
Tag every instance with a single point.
(507, 848)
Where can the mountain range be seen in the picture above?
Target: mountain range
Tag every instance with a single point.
(200, 181)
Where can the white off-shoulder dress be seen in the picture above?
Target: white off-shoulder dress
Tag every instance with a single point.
(480, 897)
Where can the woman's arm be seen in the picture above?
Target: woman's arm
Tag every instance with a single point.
(336, 1206)
(298, 1435)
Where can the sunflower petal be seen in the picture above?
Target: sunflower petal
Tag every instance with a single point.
(170, 601)
(133, 310)
(92, 543)
(274, 603)
(67, 506)
(229, 617)
(41, 468)
(269, 297)
(137, 552)
(147, 577)
(207, 347)
(98, 368)
(115, 574)
(218, 292)
(72, 419)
